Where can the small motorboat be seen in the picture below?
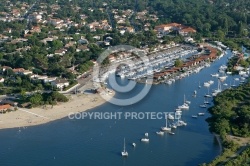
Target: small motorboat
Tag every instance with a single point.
(144, 140)
(203, 106)
(160, 132)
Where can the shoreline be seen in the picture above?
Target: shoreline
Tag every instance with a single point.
(36, 116)
(218, 139)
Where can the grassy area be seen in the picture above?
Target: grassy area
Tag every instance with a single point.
(70, 86)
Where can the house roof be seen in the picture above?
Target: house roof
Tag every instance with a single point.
(188, 30)
(18, 70)
(60, 81)
(6, 67)
(5, 106)
(168, 25)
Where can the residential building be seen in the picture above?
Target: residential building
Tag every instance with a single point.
(60, 83)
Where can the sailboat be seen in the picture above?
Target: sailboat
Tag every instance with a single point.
(206, 101)
(201, 113)
(160, 132)
(186, 101)
(199, 84)
(166, 128)
(203, 106)
(222, 78)
(170, 117)
(234, 85)
(185, 105)
(208, 95)
(124, 152)
(195, 92)
(218, 90)
(145, 139)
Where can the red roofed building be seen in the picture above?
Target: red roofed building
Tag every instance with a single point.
(36, 29)
(22, 71)
(186, 31)
(4, 107)
(166, 28)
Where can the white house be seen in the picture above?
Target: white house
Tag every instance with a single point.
(60, 83)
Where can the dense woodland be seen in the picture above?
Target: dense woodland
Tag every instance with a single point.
(231, 116)
(231, 113)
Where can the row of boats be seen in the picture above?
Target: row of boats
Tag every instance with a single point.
(156, 63)
(174, 117)
(171, 79)
(165, 129)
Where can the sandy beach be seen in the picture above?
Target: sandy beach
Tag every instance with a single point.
(36, 116)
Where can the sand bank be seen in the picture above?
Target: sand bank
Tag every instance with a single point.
(36, 116)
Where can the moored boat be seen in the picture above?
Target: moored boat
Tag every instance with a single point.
(160, 132)
(145, 140)
(124, 153)
(201, 113)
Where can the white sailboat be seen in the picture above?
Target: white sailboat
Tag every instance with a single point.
(223, 78)
(186, 101)
(211, 82)
(145, 140)
(166, 128)
(174, 126)
(195, 92)
(170, 117)
(199, 84)
(206, 101)
(206, 84)
(218, 90)
(208, 95)
(234, 85)
(185, 106)
(180, 123)
(177, 109)
(160, 132)
(201, 113)
(124, 152)
(203, 106)
(215, 75)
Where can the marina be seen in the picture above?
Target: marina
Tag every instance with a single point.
(89, 137)
(160, 66)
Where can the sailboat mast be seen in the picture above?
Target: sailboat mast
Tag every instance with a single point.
(124, 146)
(166, 121)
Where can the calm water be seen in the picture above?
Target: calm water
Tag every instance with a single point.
(99, 142)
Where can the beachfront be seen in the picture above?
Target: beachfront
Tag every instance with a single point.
(36, 116)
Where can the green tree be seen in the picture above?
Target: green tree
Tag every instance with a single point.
(178, 63)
